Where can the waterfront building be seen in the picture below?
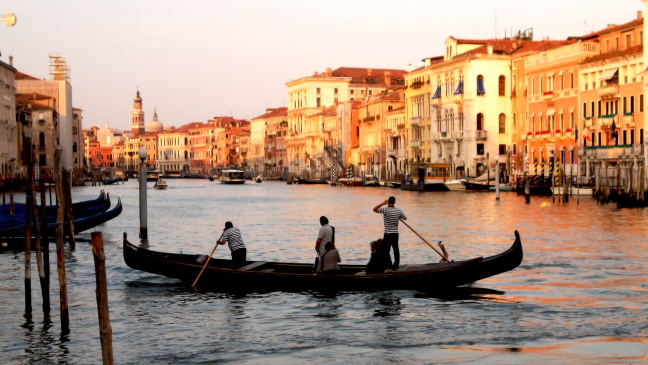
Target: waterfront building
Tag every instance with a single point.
(133, 145)
(612, 106)
(552, 99)
(53, 98)
(119, 155)
(201, 137)
(267, 142)
(308, 95)
(8, 125)
(396, 143)
(226, 154)
(372, 132)
(174, 150)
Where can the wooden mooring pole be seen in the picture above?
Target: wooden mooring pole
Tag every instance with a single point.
(45, 277)
(27, 150)
(105, 330)
(60, 239)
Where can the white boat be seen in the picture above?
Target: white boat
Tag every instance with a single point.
(558, 190)
(160, 184)
(456, 185)
(232, 177)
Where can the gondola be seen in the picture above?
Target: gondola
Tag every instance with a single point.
(80, 224)
(272, 276)
(79, 210)
(473, 186)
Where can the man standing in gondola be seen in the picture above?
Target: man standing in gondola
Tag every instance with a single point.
(232, 235)
(391, 216)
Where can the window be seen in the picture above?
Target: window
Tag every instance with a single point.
(502, 123)
(318, 90)
(42, 159)
(319, 102)
(41, 140)
(502, 85)
(502, 149)
(480, 85)
(480, 148)
(351, 92)
(335, 91)
(641, 103)
(480, 121)
(571, 80)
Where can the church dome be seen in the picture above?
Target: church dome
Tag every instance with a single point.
(155, 125)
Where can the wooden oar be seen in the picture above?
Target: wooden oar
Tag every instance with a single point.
(443, 258)
(207, 261)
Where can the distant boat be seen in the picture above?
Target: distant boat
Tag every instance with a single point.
(160, 184)
(232, 176)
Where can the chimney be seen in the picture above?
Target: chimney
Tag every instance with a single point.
(315, 73)
(368, 72)
(490, 49)
(388, 78)
(328, 72)
(639, 14)
(11, 61)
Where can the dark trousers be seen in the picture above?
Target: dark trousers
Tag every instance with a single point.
(390, 240)
(238, 257)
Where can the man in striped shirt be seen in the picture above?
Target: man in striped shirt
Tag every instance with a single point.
(391, 217)
(232, 235)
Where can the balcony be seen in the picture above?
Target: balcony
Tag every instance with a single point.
(589, 122)
(609, 91)
(400, 127)
(612, 152)
(457, 134)
(369, 119)
(548, 96)
(415, 120)
(606, 120)
(481, 135)
(628, 120)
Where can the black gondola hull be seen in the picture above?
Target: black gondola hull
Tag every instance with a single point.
(272, 276)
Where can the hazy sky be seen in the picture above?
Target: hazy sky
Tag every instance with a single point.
(196, 59)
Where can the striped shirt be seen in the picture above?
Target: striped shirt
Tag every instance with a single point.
(233, 238)
(391, 216)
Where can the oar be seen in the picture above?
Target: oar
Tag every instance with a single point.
(207, 261)
(443, 258)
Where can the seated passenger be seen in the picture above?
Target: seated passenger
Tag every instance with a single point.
(328, 262)
(380, 260)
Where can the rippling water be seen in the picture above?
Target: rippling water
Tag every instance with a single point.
(581, 294)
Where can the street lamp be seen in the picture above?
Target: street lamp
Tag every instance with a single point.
(9, 19)
(142, 191)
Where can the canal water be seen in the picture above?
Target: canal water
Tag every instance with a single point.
(580, 295)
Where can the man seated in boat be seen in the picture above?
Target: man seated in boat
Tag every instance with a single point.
(379, 261)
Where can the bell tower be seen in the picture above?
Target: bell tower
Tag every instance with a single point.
(137, 115)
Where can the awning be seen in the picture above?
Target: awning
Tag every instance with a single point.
(459, 88)
(437, 93)
(480, 87)
(609, 74)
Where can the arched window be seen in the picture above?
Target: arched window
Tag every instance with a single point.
(41, 140)
(480, 122)
(502, 123)
(480, 85)
(502, 85)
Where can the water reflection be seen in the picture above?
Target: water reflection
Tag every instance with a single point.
(583, 279)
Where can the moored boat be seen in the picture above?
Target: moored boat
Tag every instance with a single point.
(232, 176)
(270, 276)
(559, 190)
(476, 186)
(427, 177)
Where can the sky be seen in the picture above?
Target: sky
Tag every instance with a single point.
(193, 60)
